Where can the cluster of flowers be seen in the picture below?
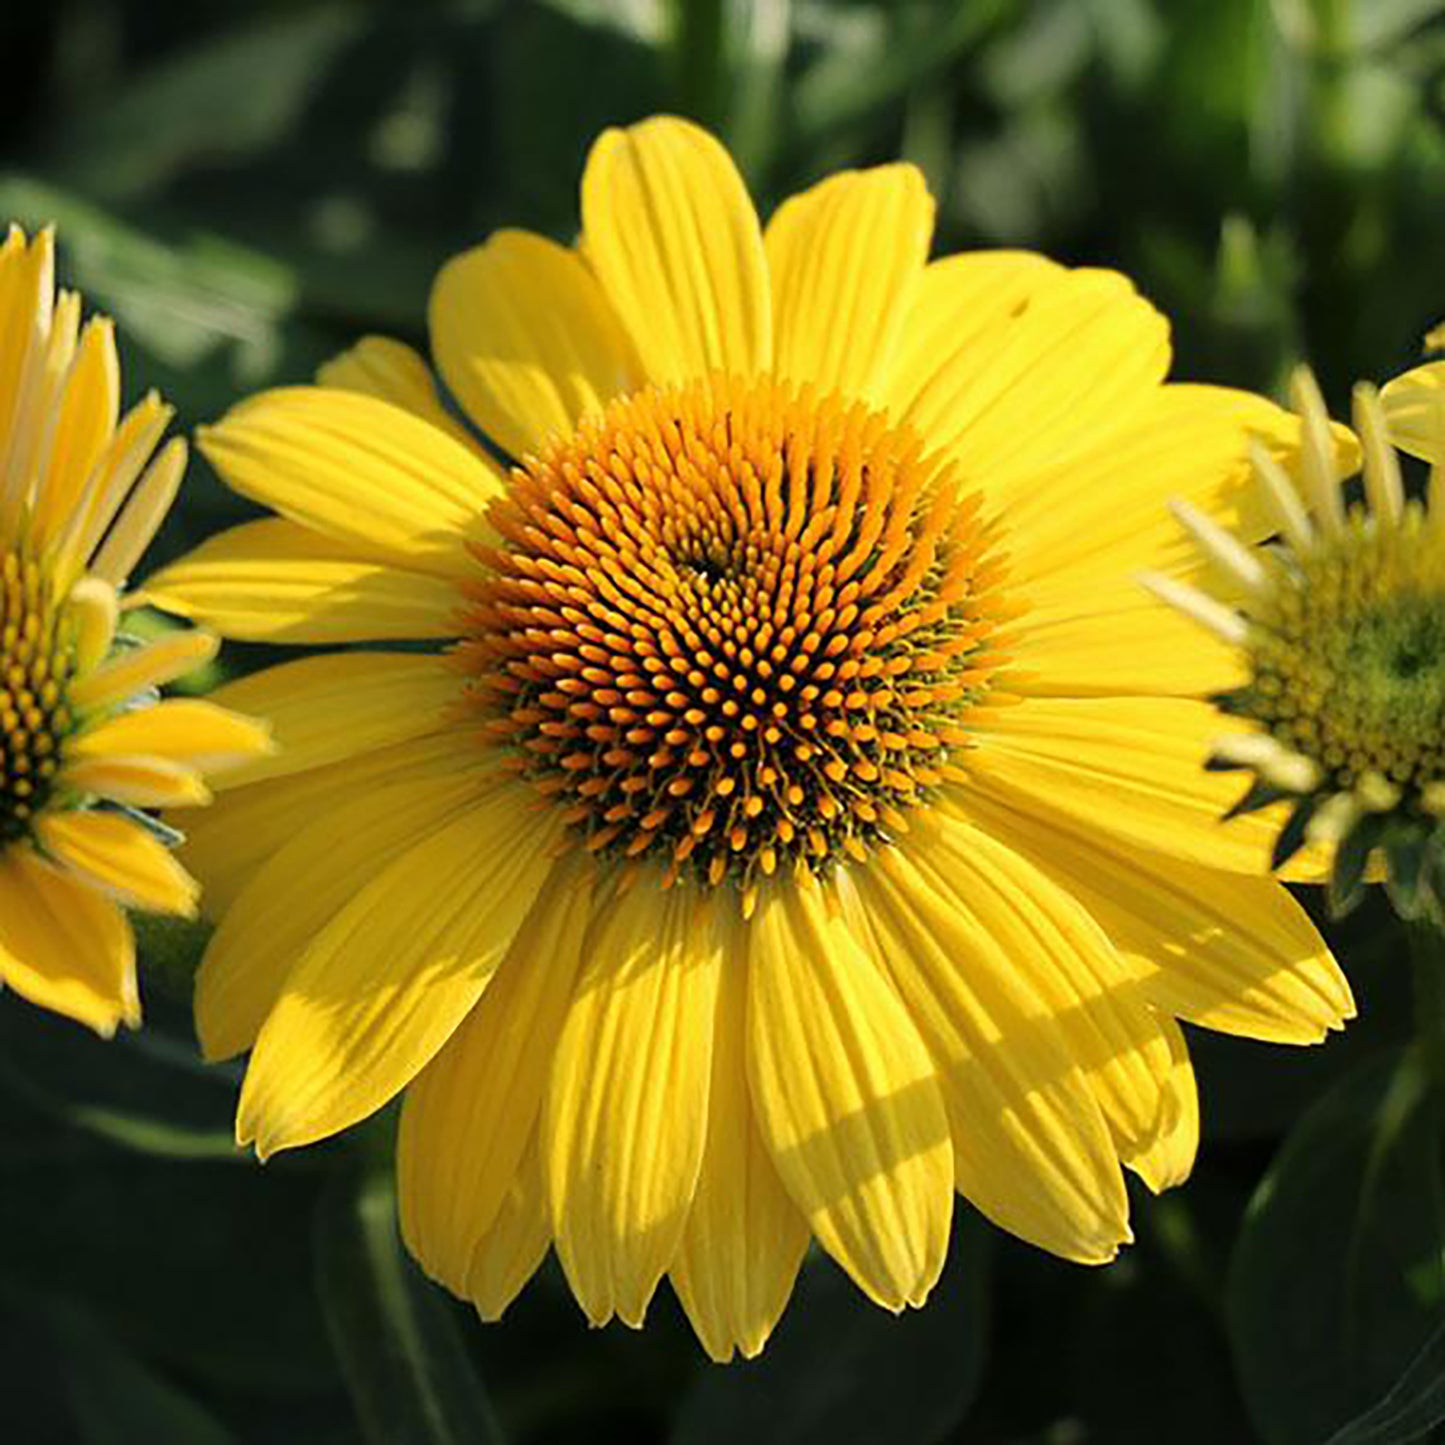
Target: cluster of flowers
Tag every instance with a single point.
(751, 792)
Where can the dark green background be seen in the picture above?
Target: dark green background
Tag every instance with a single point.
(248, 185)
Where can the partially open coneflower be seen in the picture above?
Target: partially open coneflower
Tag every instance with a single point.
(798, 816)
(1342, 626)
(82, 748)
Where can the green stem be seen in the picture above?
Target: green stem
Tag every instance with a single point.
(1427, 957)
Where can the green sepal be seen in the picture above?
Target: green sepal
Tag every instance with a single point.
(1405, 857)
(1292, 836)
(1352, 858)
(1259, 794)
(1235, 702)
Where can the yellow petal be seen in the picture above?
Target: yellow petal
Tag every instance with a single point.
(671, 234)
(1032, 1149)
(1415, 411)
(1221, 951)
(1131, 769)
(1047, 946)
(64, 946)
(1102, 512)
(185, 730)
(140, 782)
(962, 304)
(1169, 1158)
(245, 827)
(744, 1238)
(468, 1118)
(121, 858)
(359, 470)
(275, 581)
(625, 1115)
(1110, 638)
(392, 371)
(847, 1098)
(323, 709)
(1071, 362)
(27, 292)
(527, 340)
(83, 429)
(140, 668)
(845, 259)
(508, 1254)
(384, 984)
(309, 875)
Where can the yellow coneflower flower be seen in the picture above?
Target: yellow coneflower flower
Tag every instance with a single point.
(802, 820)
(1343, 628)
(80, 497)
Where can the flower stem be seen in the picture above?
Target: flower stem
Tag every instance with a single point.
(1427, 957)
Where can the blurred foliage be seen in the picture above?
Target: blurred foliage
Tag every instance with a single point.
(250, 186)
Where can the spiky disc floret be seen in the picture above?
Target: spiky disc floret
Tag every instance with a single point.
(735, 626)
(1343, 628)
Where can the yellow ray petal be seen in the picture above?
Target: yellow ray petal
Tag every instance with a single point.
(241, 831)
(744, 1238)
(1074, 362)
(468, 1118)
(392, 371)
(1225, 952)
(847, 1098)
(1032, 1148)
(1112, 637)
(845, 260)
(1103, 512)
(27, 293)
(508, 1254)
(185, 730)
(275, 581)
(305, 881)
(962, 304)
(64, 946)
(1129, 768)
(139, 668)
(132, 446)
(83, 428)
(384, 984)
(527, 339)
(670, 232)
(1049, 946)
(625, 1114)
(121, 858)
(141, 515)
(323, 709)
(1168, 1160)
(1414, 405)
(357, 469)
(140, 782)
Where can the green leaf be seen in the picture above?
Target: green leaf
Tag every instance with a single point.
(1339, 1277)
(401, 1353)
(1413, 1408)
(839, 1368)
(232, 95)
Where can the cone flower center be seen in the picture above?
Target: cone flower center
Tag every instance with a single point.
(1349, 657)
(734, 627)
(34, 719)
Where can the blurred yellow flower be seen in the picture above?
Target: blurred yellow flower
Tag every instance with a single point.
(80, 498)
(1343, 627)
(803, 820)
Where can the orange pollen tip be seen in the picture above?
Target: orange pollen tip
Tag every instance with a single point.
(734, 625)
